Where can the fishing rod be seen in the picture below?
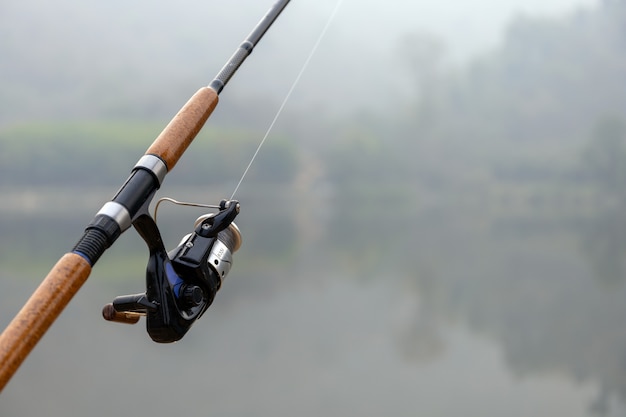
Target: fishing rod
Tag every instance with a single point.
(180, 284)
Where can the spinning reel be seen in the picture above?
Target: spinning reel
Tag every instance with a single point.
(181, 284)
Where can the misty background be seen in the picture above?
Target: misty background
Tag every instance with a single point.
(435, 226)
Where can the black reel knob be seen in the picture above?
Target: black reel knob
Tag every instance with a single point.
(193, 295)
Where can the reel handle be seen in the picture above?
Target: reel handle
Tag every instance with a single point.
(109, 313)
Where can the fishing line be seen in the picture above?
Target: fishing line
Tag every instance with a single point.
(291, 89)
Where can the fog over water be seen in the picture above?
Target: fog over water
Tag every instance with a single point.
(434, 226)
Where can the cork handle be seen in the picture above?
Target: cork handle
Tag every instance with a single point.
(40, 311)
(183, 128)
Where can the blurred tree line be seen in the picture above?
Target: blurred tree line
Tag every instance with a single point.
(549, 105)
(534, 128)
(102, 153)
(530, 109)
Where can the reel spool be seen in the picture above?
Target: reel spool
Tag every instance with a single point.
(228, 242)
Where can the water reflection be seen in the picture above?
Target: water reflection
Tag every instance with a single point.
(545, 285)
(548, 291)
(604, 244)
(444, 311)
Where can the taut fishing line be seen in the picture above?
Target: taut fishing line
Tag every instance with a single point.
(274, 120)
(291, 89)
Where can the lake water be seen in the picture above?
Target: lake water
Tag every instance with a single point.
(447, 312)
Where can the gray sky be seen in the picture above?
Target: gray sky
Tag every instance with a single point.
(467, 27)
(361, 49)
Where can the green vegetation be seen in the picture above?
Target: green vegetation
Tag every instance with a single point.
(99, 152)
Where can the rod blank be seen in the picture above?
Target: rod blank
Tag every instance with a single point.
(246, 48)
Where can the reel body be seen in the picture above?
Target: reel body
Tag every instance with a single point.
(181, 284)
